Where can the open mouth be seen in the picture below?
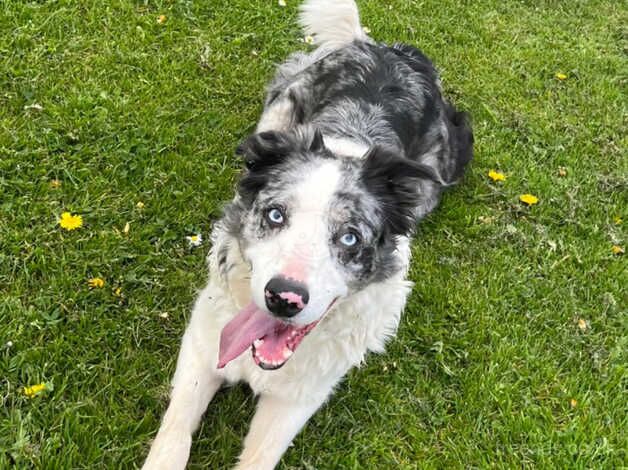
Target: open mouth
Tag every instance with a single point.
(274, 349)
(272, 341)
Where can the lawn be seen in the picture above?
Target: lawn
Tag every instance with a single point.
(512, 349)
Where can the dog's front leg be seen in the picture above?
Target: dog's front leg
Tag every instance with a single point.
(275, 424)
(194, 384)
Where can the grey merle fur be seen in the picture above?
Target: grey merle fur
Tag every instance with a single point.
(387, 98)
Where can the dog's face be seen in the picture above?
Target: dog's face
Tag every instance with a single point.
(315, 227)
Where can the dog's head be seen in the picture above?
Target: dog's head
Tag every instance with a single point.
(315, 228)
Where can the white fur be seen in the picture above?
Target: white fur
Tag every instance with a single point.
(344, 147)
(332, 23)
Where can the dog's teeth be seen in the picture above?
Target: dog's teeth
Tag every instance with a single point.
(286, 353)
(258, 342)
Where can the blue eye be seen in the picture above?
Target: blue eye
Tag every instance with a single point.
(275, 217)
(349, 239)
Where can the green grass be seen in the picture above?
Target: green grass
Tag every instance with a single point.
(489, 353)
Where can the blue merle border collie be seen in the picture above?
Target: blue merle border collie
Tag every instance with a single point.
(308, 265)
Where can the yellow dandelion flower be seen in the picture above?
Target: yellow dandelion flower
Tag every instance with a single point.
(70, 222)
(127, 228)
(161, 19)
(35, 390)
(582, 324)
(560, 76)
(617, 250)
(618, 220)
(496, 176)
(573, 402)
(96, 283)
(55, 184)
(117, 292)
(140, 205)
(529, 199)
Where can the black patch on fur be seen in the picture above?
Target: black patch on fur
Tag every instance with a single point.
(393, 181)
(460, 139)
(261, 153)
(264, 149)
(415, 59)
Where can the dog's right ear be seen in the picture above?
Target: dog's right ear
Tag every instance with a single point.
(261, 153)
(394, 181)
(265, 149)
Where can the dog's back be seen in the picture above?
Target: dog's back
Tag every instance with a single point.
(361, 94)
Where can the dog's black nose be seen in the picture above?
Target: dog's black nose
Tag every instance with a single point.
(285, 297)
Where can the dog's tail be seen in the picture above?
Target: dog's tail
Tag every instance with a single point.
(331, 22)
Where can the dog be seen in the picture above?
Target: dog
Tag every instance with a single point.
(308, 264)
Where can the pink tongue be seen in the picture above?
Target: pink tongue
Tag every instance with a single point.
(238, 335)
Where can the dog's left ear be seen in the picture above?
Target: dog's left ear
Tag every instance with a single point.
(261, 153)
(396, 184)
(267, 148)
